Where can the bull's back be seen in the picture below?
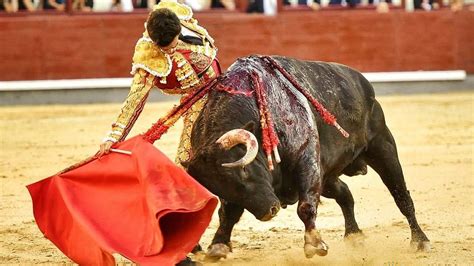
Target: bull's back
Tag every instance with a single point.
(348, 96)
(330, 82)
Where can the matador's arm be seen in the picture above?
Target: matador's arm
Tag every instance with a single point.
(132, 107)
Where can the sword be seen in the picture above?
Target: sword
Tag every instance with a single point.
(121, 151)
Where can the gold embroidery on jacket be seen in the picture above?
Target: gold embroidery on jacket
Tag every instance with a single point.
(133, 105)
(148, 56)
(184, 148)
(210, 73)
(199, 61)
(205, 49)
(183, 11)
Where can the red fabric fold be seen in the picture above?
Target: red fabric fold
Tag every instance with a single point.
(141, 206)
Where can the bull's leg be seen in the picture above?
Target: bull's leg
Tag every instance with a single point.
(382, 157)
(229, 215)
(309, 181)
(335, 188)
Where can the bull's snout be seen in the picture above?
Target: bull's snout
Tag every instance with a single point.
(272, 212)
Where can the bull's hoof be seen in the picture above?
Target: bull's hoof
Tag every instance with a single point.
(314, 245)
(188, 262)
(321, 250)
(355, 240)
(421, 246)
(217, 251)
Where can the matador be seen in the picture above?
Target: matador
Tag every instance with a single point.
(177, 67)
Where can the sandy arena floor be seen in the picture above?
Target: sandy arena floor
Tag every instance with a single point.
(435, 139)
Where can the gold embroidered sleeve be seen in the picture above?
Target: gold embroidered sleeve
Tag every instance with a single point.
(132, 106)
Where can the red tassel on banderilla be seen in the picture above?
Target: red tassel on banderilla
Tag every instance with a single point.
(269, 137)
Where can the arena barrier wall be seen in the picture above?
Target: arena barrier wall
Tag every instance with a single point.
(38, 47)
(114, 90)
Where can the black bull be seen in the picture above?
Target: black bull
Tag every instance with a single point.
(313, 154)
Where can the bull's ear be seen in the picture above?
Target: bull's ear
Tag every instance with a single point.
(250, 126)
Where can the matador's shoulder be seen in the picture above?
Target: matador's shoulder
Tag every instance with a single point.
(148, 56)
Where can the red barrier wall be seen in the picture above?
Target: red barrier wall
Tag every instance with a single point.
(98, 46)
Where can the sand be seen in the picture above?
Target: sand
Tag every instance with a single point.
(435, 140)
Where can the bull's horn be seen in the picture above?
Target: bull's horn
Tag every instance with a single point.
(237, 136)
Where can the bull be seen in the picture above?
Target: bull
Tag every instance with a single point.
(229, 161)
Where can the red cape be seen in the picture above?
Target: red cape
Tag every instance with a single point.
(142, 206)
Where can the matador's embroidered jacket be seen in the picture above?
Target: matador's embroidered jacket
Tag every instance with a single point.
(180, 73)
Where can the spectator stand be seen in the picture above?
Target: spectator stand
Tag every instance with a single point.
(80, 7)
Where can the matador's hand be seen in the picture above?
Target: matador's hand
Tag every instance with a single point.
(105, 148)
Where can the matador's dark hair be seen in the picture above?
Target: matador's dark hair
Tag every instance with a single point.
(163, 25)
